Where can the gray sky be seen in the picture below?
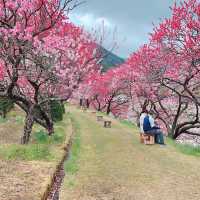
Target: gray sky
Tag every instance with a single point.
(133, 20)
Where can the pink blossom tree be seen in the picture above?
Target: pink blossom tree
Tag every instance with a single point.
(107, 91)
(167, 70)
(43, 57)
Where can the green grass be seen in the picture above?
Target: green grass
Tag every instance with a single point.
(3, 120)
(71, 166)
(19, 119)
(189, 149)
(125, 122)
(26, 152)
(128, 123)
(114, 165)
(185, 148)
(41, 137)
(40, 147)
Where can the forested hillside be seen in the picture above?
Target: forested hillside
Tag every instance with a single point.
(110, 60)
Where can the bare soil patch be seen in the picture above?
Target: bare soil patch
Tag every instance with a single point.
(24, 180)
(28, 177)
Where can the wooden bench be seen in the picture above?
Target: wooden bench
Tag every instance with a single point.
(99, 118)
(107, 124)
(84, 108)
(147, 139)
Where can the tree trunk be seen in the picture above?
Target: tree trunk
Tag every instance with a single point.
(29, 121)
(176, 134)
(99, 109)
(48, 118)
(50, 127)
(4, 114)
(81, 102)
(87, 103)
(108, 110)
(138, 120)
(172, 131)
(63, 106)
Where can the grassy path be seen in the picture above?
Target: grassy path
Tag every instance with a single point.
(113, 165)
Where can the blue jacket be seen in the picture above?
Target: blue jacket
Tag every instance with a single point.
(146, 124)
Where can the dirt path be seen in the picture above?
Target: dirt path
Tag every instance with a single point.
(113, 165)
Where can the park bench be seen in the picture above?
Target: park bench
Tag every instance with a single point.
(99, 118)
(107, 124)
(147, 139)
(84, 108)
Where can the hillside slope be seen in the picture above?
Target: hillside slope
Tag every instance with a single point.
(111, 60)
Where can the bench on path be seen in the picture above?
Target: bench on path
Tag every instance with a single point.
(147, 139)
(99, 118)
(84, 108)
(107, 124)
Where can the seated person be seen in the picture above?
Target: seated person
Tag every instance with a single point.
(147, 126)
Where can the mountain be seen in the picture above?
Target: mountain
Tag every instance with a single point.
(110, 60)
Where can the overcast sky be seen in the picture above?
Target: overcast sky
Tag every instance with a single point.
(133, 20)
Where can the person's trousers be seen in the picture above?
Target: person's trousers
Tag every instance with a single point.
(159, 138)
